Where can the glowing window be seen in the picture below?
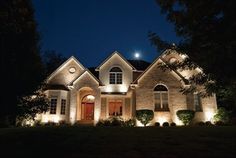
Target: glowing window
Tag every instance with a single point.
(115, 108)
(161, 98)
(115, 76)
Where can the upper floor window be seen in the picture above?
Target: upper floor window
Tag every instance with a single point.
(161, 98)
(115, 75)
(53, 106)
(197, 102)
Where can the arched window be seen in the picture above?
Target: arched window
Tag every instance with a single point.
(115, 75)
(161, 98)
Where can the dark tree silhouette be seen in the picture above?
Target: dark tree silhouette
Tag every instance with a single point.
(21, 66)
(52, 60)
(207, 29)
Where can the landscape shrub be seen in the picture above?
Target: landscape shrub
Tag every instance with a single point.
(219, 123)
(201, 123)
(144, 116)
(186, 116)
(173, 124)
(165, 124)
(222, 115)
(129, 123)
(157, 124)
(208, 123)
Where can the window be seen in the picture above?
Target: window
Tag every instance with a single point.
(63, 107)
(161, 98)
(115, 108)
(197, 102)
(115, 75)
(53, 106)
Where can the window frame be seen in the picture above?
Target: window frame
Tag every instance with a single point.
(197, 108)
(54, 111)
(162, 108)
(63, 107)
(116, 79)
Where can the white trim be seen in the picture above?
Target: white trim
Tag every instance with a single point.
(161, 92)
(72, 58)
(113, 54)
(86, 71)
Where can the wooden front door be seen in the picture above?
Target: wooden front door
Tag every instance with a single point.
(88, 111)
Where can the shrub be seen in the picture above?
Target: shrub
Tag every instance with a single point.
(157, 124)
(172, 124)
(186, 116)
(112, 121)
(165, 124)
(129, 123)
(222, 115)
(219, 123)
(144, 116)
(208, 123)
(201, 123)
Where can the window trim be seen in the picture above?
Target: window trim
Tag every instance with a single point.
(50, 112)
(64, 107)
(161, 100)
(199, 102)
(116, 73)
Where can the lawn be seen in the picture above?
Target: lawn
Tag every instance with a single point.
(114, 142)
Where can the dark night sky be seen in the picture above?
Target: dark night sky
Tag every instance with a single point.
(92, 29)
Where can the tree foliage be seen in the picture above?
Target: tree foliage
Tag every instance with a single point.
(144, 116)
(21, 66)
(206, 29)
(52, 60)
(29, 106)
(186, 116)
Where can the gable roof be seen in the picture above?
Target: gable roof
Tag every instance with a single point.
(153, 63)
(72, 58)
(140, 65)
(86, 71)
(109, 57)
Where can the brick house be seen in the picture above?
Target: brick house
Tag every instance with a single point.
(119, 87)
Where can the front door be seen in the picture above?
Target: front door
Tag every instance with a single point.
(88, 111)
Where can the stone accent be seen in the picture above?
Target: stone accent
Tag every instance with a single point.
(103, 108)
(127, 108)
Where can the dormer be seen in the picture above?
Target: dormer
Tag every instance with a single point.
(116, 73)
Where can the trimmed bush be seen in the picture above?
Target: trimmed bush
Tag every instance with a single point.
(172, 124)
(208, 123)
(129, 123)
(222, 115)
(201, 123)
(165, 124)
(157, 124)
(144, 116)
(186, 116)
(219, 123)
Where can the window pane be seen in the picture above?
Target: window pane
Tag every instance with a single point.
(112, 78)
(53, 106)
(115, 108)
(197, 103)
(119, 78)
(63, 107)
(165, 101)
(157, 101)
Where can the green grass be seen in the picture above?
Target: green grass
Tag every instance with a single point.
(169, 142)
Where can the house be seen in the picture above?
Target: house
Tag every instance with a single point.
(119, 87)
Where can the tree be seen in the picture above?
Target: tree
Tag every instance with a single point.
(52, 60)
(144, 116)
(21, 65)
(30, 106)
(206, 28)
(186, 116)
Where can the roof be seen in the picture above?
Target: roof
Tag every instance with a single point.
(72, 58)
(55, 87)
(94, 72)
(115, 53)
(139, 64)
